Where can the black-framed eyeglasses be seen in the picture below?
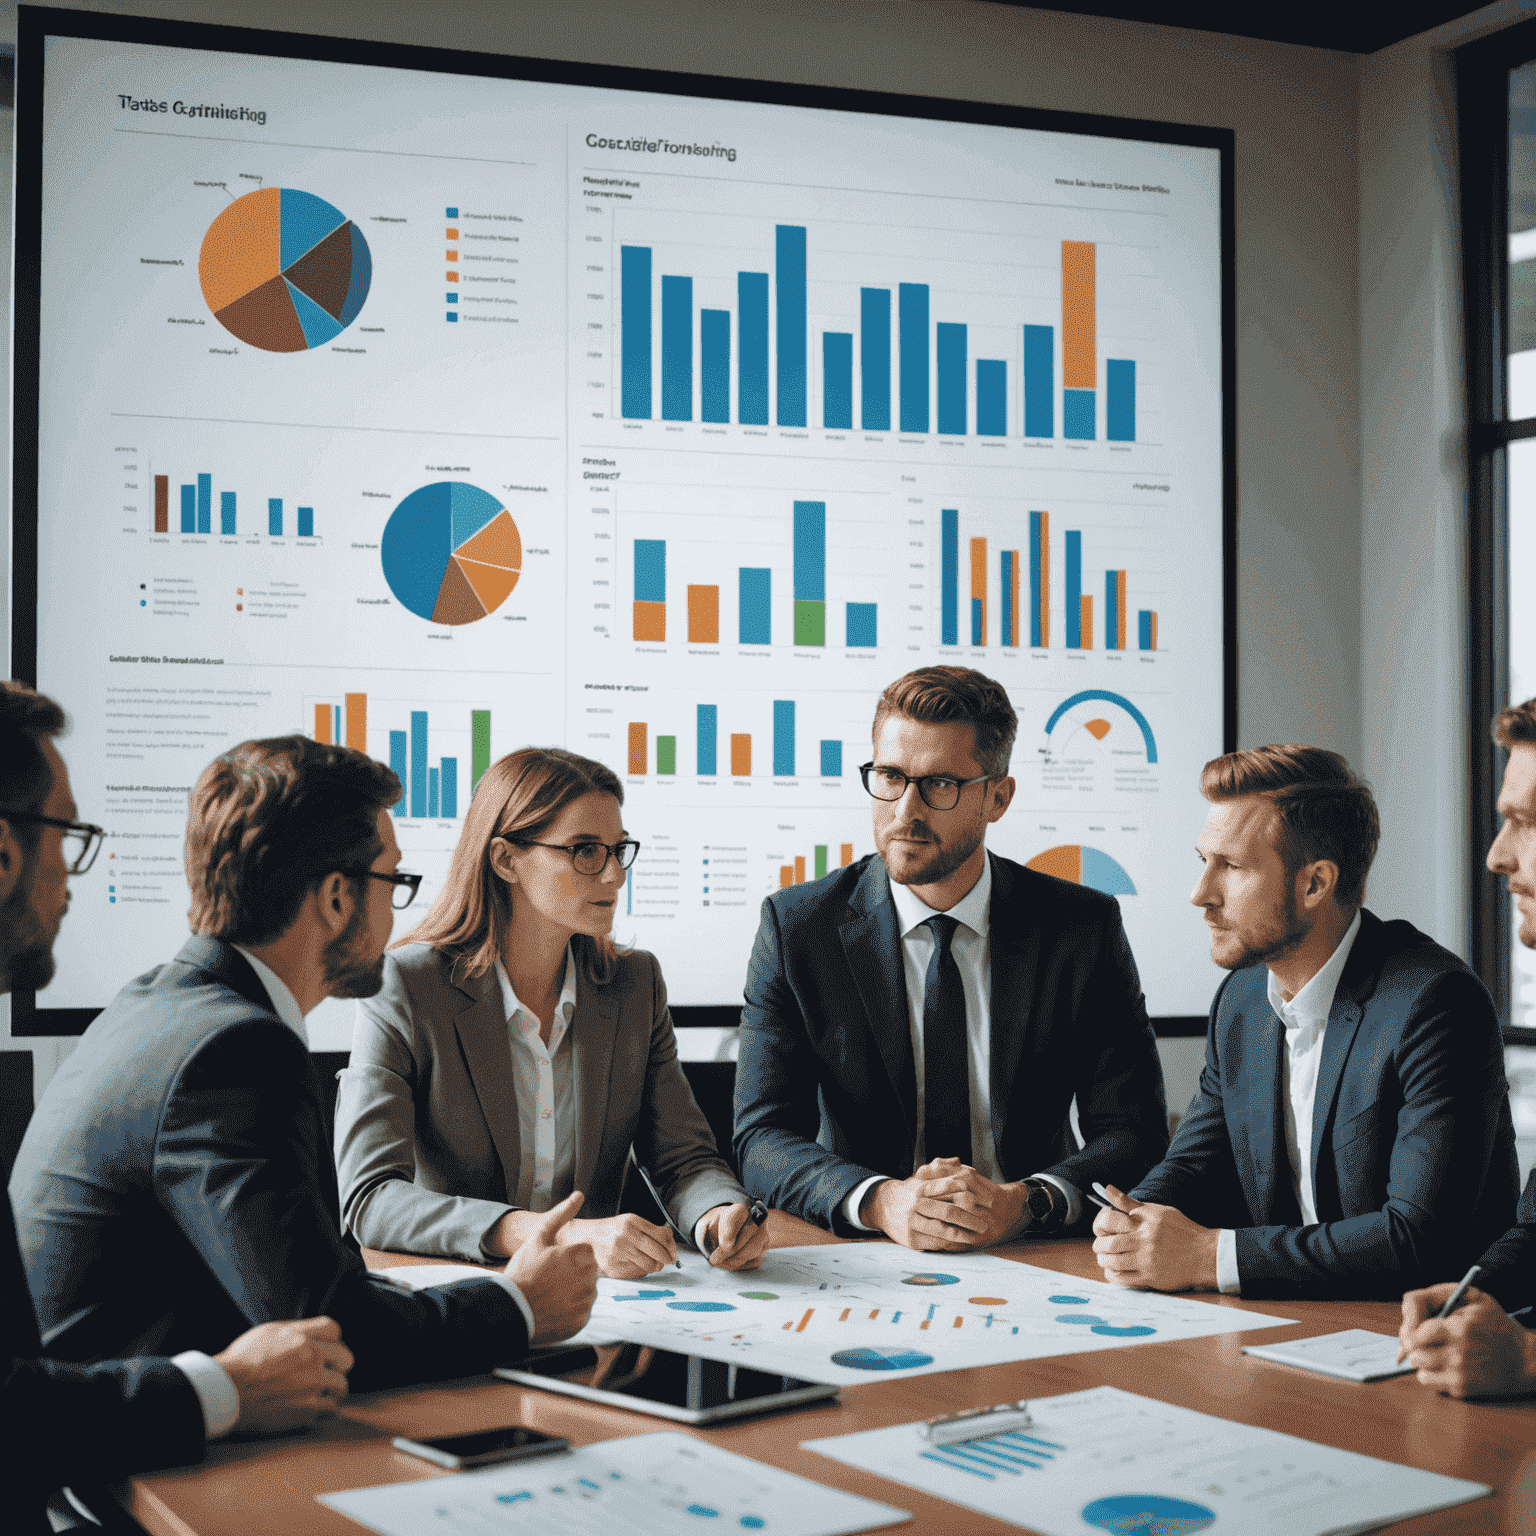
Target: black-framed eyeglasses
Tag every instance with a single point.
(940, 791)
(589, 858)
(80, 843)
(405, 886)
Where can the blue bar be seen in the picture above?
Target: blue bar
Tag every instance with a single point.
(784, 738)
(708, 734)
(755, 619)
(714, 365)
(450, 782)
(418, 762)
(336, 723)
(1077, 414)
(789, 290)
(952, 352)
(837, 379)
(227, 513)
(306, 522)
(875, 359)
(650, 570)
(810, 551)
(1039, 381)
(752, 344)
(189, 509)
(1006, 604)
(831, 759)
(397, 751)
(977, 638)
(1035, 574)
(861, 619)
(1111, 611)
(1120, 400)
(912, 305)
(1144, 629)
(677, 349)
(1074, 590)
(635, 331)
(205, 503)
(432, 792)
(274, 517)
(949, 577)
(991, 398)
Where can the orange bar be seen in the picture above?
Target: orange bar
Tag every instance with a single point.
(453, 234)
(804, 1320)
(1045, 579)
(799, 869)
(452, 277)
(847, 858)
(1079, 365)
(357, 721)
(741, 756)
(650, 621)
(958, 1321)
(1153, 635)
(323, 724)
(1085, 620)
(786, 877)
(1011, 597)
(979, 584)
(162, 504)
(1120, 610)
(637, 742)
(704, 615)
(873, 1315)
(922, 1325)
(845, 1312)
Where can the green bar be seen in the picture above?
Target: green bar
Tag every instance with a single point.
(480, 745)
(821, 860)
(666, 754)
(810, 622)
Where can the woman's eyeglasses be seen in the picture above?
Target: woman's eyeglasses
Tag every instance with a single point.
(588, 857)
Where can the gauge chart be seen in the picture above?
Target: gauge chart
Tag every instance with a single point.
(451, 553)
(283, 270)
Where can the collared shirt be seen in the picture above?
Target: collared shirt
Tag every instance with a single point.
(1305, 1018)
(972, 951)
(284, 1004)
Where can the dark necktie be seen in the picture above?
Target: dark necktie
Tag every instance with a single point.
(946, 1054)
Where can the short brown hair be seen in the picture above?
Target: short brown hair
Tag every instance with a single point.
(27, 719)
(269, 820)
(1516, 726)
(956, 696)
(518, 797)
(1327, 811)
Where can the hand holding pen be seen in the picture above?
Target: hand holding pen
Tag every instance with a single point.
(735, 1236)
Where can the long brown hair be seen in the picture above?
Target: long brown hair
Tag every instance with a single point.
(519, 796)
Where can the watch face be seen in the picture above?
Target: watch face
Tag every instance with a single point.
(1041, 1206)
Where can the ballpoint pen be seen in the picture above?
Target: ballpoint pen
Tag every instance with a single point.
(757, 1213)
(1457, 1296)
(656, 1196)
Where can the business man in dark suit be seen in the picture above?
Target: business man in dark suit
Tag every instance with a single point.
(916, 1025)
(1480, 1350)
(64, 1424)
(175, 1184)
(1352, 1134)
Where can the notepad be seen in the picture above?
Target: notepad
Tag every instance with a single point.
(1356, 1354)
(418, 1277)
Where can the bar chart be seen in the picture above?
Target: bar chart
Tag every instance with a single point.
(701, 749)
(196, 513)
(824, 858)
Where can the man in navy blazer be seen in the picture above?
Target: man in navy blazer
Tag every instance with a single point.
(1351, 1135)
(175, 1185)
(917, 1024)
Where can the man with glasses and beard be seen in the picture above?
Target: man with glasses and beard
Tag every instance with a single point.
(917, 1024)
(1352, 1135)
(175, 1185)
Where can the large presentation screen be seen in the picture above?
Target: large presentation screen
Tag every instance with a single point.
(439, 404)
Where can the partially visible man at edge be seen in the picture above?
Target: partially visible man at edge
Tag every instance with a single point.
(1479, 1350)
(67, 1424)
(175, 1184)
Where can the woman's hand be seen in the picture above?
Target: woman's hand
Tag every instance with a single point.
(627, 1247)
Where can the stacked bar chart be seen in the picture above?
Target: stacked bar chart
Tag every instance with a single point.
(820, 864)
(196, 510)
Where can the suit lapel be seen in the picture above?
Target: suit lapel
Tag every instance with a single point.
(594, 1036)
(1015, 944)
(873, 950)
(1263, 1117)
(482, 1032)
(1355, 985)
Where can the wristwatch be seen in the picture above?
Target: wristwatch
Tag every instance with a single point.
(1045, 1204)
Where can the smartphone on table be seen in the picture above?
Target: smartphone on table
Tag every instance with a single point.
(483, 1447)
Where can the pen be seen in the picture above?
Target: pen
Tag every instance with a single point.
(976, 1424)
(757, 1212)
(1456, 1297)
(656, 1196)
(1097, 1198)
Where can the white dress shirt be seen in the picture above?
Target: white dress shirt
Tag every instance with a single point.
(972, 951)
(1305, 1018)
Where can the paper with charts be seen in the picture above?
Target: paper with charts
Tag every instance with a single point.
(1107, 1460)
(852, 1312)
(643, 1485)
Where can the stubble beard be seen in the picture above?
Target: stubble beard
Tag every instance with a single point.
(347, 972)
(944, 861)
(26, 948)
(1264, 947)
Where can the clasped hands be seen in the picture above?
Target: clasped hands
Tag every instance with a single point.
(945, 1207)
(1153, 1247)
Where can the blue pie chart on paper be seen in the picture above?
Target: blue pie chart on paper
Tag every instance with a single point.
(932, 1279)
(1130, 1331)
(1068, 1301)
(1148, 1514)
(897, 1359)
(647, 1296)
(700, 1306)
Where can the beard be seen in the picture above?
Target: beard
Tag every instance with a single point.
(1270, 942)
(350, 969)
(26, 946)
(942, 862)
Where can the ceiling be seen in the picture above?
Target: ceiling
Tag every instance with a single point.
(1349, 26)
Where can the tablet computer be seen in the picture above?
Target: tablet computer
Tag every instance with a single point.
(687, 1388)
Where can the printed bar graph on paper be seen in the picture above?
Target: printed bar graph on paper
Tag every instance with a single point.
(714, 365)
(162, 503)
(821, 860)
(1079, 338)
(704, 615)
(450, 786)
(666, 754)
(189, 509)
(951, 360)
(752, 334)
(479, 746)
(677, 349)
(837, 379)
(227, 514)
(1039, 381)
(912, 322)
(790, 315)
(432, 792)
(810, 570)
(1010, 596)
(741, 756)
(784, 738)
(1119, 400)
(357, 721)
(861, 620)
(306, 522)
(875, 359)
(1147, 629)
(398, 751)
(418, 762)
(978, 591)
(706, 734)
(205, 503)
(754, 615)
(949, 577)
(831, 759)
(274, 517)
(650, 589)
(635, 331)
(638, 739)
(1077, 637)
(991, 397)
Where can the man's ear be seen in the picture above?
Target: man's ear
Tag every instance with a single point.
(334, 902)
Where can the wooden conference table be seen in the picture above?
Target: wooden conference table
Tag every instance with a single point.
(270, 1486)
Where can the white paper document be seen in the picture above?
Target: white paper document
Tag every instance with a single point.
(1114, 1461)
(1356, 1354)
(644, 1485)
(851, 1313)
(420, 1277)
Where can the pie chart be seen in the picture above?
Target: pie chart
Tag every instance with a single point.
(1148, 1514)
(283, 270)
(1083, 865)
(451, 553)
(897, 1359)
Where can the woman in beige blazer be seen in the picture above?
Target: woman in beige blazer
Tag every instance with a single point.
(515, 1053)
